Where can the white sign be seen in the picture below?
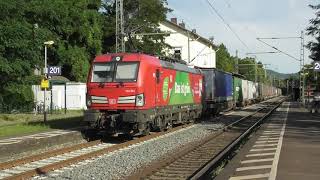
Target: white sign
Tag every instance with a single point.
(316, 66)
(54, 71)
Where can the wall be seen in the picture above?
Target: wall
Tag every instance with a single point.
(75, 96)
(203, 55)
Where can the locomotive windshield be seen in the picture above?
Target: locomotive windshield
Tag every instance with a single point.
(115, 72)
(126, 72)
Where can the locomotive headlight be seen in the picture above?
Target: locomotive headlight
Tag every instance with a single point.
(89, 102)
(139, 100)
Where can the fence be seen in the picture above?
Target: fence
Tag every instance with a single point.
(30, 109)
(9, 109)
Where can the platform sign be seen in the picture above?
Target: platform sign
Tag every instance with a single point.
(44, 84)
(316, 66)
(54, 71)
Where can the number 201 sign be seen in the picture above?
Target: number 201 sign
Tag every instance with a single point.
(54, 70)
(316, 66)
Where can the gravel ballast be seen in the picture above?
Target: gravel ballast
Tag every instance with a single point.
(122, 163)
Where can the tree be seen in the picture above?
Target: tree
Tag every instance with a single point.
(225, 61)
(18, 55)
(314, 30)
(247, 68)
(74, 25)
(141, 16)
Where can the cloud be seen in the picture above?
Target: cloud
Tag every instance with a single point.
(252, 19)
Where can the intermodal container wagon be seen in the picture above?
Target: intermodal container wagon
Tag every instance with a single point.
(237, 91)
(245, 91)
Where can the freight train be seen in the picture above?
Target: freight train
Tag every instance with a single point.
(134, 93)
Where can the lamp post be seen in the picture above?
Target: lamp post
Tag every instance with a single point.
(47, 43)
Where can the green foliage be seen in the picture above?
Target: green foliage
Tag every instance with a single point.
(142, 16)
(76, 29)
(314, 30)
(247, 68)
(225, 61)
(75, 62)
(81, 29)
(74, 26)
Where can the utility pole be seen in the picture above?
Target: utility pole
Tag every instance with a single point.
(287, 87)
(302, 78)
(188, 47)
(255, 71)
(120, 43)
(237, 62)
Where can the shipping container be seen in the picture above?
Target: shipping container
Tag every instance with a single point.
(250, 90)
(237, 91)
(223, 86)
(256, 91)
(209, 84)
(218, 90)
(245, 92)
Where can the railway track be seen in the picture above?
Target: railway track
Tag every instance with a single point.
(43, 163)
(46, 162)
(199, 158)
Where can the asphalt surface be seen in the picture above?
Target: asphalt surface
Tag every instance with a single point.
(286, 147)
(300, 154)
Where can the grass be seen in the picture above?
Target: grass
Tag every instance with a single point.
(10, 119)
(21, 129)
(21, 124)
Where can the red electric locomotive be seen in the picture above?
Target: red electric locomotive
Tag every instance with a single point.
(134, 93)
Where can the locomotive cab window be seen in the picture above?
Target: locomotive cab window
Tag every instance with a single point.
(115, 72)
(102, 72)
(126, 71)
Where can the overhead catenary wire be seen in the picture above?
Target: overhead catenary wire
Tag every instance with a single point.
(226, 23)
(259, 39)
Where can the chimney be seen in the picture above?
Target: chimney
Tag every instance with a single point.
(174, 20)
(194, 31)
(182, 24)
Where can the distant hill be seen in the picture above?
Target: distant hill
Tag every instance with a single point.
(281, 75)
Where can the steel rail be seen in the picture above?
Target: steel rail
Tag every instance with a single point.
(57, 165)
(151, 169)
(205, 170)
(48, 154)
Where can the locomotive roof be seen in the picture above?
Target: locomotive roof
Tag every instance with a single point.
(178, 66)
(215, 69)
(170, 64)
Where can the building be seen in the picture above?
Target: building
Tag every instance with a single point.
(193, 48)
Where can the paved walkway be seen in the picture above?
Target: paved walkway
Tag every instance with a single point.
(34, 136)
(300, 153)
(287, 147)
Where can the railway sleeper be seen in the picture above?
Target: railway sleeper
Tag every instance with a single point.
(166, 175)
(175, 172)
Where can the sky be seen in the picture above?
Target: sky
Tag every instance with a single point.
(251, 19)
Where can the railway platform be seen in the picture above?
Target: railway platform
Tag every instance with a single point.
(12, 146)
(286, 147)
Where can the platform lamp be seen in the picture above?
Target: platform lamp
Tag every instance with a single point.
(46, 44)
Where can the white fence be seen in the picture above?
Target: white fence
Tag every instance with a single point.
(70, 96)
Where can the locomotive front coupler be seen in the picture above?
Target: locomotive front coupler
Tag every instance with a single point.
(109, 120)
